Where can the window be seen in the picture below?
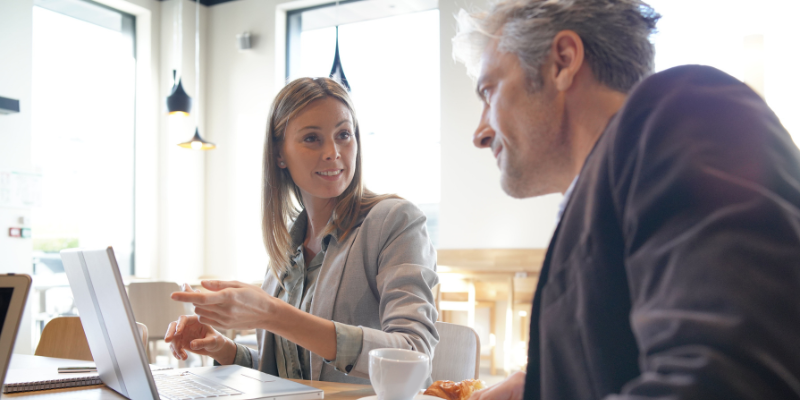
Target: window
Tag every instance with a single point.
(83, 131)
(746, 40)
(390, 55)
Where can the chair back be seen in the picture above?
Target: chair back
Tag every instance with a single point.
(457, 356)
(63, 337)
(153, 307)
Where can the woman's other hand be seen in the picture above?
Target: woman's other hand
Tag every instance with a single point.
(188, 333)
(232, 305)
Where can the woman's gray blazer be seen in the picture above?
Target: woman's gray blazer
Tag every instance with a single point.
(379, 277)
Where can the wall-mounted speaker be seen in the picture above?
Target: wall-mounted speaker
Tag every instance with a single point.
(243, 40)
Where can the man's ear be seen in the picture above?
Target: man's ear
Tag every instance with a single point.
(567, 53)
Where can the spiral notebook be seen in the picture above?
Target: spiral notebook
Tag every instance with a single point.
(28, 379)
(24, 380)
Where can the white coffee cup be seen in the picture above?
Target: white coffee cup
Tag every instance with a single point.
(398, 374)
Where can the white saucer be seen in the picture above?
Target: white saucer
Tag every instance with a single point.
(417, 397)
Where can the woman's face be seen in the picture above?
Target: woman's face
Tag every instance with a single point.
(319, 149)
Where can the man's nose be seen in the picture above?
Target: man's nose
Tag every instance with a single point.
(483, 136)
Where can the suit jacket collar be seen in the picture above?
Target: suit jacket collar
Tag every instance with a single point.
(330, 277)
(533, 375)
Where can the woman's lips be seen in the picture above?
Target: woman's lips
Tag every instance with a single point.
(331, 174)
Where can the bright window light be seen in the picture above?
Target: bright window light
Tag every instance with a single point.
(753, 42)
(83, 137)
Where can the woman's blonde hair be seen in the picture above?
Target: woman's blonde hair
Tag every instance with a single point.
(281, 196)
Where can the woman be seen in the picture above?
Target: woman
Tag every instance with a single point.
(352, 273)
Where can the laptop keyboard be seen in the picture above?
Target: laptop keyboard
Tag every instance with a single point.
(190, 386)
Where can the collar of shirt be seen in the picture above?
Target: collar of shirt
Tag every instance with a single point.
(563, 205)
(298, 233)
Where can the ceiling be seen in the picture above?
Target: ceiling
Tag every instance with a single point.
(210, 2)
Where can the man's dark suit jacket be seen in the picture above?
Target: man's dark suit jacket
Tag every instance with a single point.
(675, 270)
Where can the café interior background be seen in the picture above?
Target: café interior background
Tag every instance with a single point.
(91, 158)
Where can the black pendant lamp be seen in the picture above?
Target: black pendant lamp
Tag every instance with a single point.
(197, 143)
(178, 102)
(337, 73)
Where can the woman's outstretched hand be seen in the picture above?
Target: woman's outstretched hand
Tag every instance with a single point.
(231, 305)
(189, 334)
(237, 305)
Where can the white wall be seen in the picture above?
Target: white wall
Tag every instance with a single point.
(16, 27)
(181, 172)
(475, 213)
(241, 87)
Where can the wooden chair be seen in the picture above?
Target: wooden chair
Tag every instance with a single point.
(152, 305)
(63, 337)
(457, 356)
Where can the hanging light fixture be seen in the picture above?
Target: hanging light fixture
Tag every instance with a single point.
(197, 142)
(337, 72)
(178, 102)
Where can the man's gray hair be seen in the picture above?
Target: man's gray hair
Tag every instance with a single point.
(615, 35)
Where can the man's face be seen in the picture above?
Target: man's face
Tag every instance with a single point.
(524, 129)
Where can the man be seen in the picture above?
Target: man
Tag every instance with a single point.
(674, 272)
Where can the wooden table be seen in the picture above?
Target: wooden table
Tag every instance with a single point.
(333, 390)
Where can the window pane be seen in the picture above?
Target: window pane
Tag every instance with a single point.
(83, 135)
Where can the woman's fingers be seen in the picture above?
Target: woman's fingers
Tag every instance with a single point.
(170, 331)
(188, 288)
(214, 285)
(209, 343)
(209, 321)
(216, 314)
(198, 297)
(177, 351)
(181, 325)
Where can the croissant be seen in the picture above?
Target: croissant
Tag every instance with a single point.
(450, 390)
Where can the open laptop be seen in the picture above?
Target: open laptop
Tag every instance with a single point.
(14, 290)
(119, 354)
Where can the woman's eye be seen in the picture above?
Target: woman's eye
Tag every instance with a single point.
(345, 135)
(310, 139)
(485, 94)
